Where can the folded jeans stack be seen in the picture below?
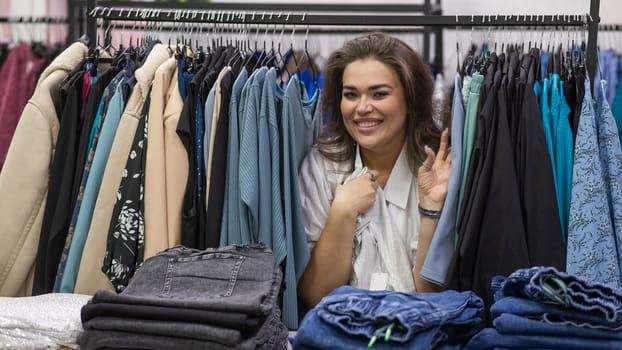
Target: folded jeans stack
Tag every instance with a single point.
(353, 318)
(542, 308)
(222, 298)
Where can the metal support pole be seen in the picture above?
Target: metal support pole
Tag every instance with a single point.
(426, 32)
(91, 24)
(438, 40)
(592, 39)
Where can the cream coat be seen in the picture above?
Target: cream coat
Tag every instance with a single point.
(24, 177)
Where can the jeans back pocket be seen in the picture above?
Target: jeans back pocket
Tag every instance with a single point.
(212, 275)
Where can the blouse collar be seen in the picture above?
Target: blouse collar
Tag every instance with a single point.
(397, 188)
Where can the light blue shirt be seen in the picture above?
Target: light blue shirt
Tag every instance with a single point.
(611, 158)
(300, 125)
(442, 246)
(91, 191)
(591, 247)
(264, 162)
(208, 114)
(230, 228)
(249, 159)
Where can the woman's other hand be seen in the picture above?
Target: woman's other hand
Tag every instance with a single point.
(433, 175)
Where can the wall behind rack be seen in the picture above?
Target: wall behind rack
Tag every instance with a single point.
(51, 33)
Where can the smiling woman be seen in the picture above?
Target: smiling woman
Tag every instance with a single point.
(372, 189)
(373, 107)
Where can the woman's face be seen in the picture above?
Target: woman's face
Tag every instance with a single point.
(373, 106)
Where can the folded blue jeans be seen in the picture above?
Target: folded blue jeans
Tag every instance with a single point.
(491, 338)
(349, 317)
(238, 279)
(547, 285)
(549, 313)
(508, 324)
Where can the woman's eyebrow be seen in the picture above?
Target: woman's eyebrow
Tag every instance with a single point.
(371, 87)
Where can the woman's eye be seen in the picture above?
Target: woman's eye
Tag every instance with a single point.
(381, 94)
(349, 95)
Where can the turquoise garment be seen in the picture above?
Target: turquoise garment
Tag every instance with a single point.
(300, 125)
(441, 248)
(563, 152)
(591, 249)
(468, 136)
(230, 228)
(466, 89)
(102, 151)
(249, 159)
(545, 109)
(611, 158)
(616, 107)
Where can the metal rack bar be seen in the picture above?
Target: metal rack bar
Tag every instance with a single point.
(610, 27)
(34, 20)
(341, 19)
(273, 7)
(287, 27)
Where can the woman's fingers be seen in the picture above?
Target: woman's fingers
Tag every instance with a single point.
(443, 149)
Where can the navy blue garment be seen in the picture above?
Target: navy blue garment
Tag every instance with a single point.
(349, 317)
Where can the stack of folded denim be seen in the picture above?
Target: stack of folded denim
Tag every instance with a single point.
(542, 308)
(353, 318)
(183, 298)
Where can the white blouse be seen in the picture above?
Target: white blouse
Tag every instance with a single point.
(386, 235)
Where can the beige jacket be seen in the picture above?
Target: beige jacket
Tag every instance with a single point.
(166, 165)
(90, 277)
(24, 177)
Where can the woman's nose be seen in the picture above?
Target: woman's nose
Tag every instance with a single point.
(364, 106)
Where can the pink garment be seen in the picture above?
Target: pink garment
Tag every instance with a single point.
(18, 77)
(86, 87)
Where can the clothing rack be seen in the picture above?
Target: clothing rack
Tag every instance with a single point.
(336, 14)
(427, 7)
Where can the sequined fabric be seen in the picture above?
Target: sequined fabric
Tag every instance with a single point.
(47, 321)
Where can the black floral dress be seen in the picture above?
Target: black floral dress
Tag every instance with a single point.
(125, 246)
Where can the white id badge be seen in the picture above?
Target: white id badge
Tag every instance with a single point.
(379, 281)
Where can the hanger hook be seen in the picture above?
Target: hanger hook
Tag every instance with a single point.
(306, 35)
(93, 11)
